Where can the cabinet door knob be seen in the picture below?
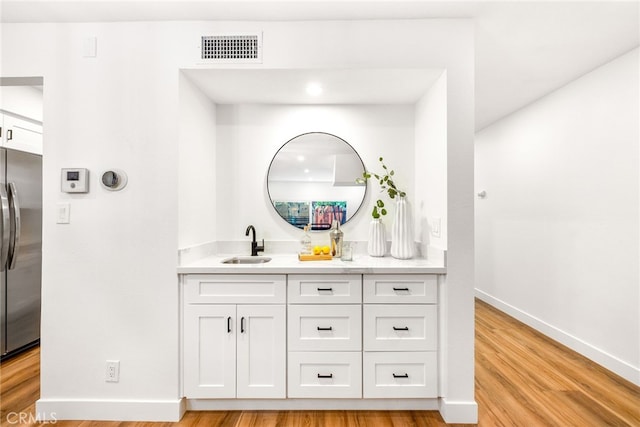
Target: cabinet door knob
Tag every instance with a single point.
(320, 328)
(325, 376)
(229, 324)
(242, 325)
(400, 375)
(401, 289)
(404, 328)
(9, 134)
(325, 289)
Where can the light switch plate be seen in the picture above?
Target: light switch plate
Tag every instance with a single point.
(63, 213)
(90, 47)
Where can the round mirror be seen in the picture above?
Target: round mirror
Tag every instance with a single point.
(312, 180)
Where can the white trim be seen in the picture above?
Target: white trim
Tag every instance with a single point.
(459, 412)
(110, 410)
(608, 361)
(311, 404)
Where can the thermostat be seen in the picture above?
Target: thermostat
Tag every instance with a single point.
(75, 180)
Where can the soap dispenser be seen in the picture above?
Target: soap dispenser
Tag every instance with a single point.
(336, 237)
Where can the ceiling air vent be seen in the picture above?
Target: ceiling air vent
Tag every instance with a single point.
(232, 48)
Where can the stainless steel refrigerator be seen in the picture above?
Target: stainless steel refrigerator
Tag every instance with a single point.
(20, 250)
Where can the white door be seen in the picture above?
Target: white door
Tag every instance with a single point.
(210, 351)
(261, 351)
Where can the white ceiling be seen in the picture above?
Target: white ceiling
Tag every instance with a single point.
(524, 50)
(348, 86)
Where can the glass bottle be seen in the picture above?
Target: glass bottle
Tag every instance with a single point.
(336, 237)
(305, 242)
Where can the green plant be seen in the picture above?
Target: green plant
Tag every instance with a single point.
(386, 185)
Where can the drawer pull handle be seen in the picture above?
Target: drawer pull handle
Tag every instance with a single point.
(325, 289)
(401, 289)
(405, 328)
(325, 376)
(242, 325)
(330, 328)
(229, 324)
(401, 376)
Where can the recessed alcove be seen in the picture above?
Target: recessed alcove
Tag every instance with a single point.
(233, 121)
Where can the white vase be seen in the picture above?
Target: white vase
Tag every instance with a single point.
(402, 244)
(377, 238)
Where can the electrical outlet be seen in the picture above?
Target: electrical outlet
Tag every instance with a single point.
(435, 227)
(112, 374)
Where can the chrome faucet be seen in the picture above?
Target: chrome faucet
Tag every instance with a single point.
(255, 248)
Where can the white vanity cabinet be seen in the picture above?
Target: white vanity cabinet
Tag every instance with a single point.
(306, 340)
(400, 319)
(234, 336)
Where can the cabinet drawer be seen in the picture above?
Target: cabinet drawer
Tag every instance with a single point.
(401, 289)
(400, 327)
(235, 288)
(400, 374)
(325, 289)
(324, 328)
(325, 375)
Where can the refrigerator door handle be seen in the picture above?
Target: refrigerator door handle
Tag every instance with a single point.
(14, 238)
(4, 244)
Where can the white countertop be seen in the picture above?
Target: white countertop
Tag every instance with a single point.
(289, 264)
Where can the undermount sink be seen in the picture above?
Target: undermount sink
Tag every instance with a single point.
(246, 260)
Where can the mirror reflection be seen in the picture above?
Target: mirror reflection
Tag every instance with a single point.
(312, 180)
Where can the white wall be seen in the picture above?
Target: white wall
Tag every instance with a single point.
(431, 165)
(109, 283)
(197, 199)
(25, 101)
(557, 235)
(110, 288)
(250, 135)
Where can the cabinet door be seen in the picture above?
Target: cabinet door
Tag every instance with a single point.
(22, 135)
(261, 351)
(210, 351)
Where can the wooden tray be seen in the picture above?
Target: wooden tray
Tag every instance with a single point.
(322, 257)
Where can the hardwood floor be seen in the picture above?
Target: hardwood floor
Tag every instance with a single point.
(522, 379)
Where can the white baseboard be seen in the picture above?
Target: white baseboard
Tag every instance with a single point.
(608, 361)
(459, 412)
(311, 404)
(110, 410)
